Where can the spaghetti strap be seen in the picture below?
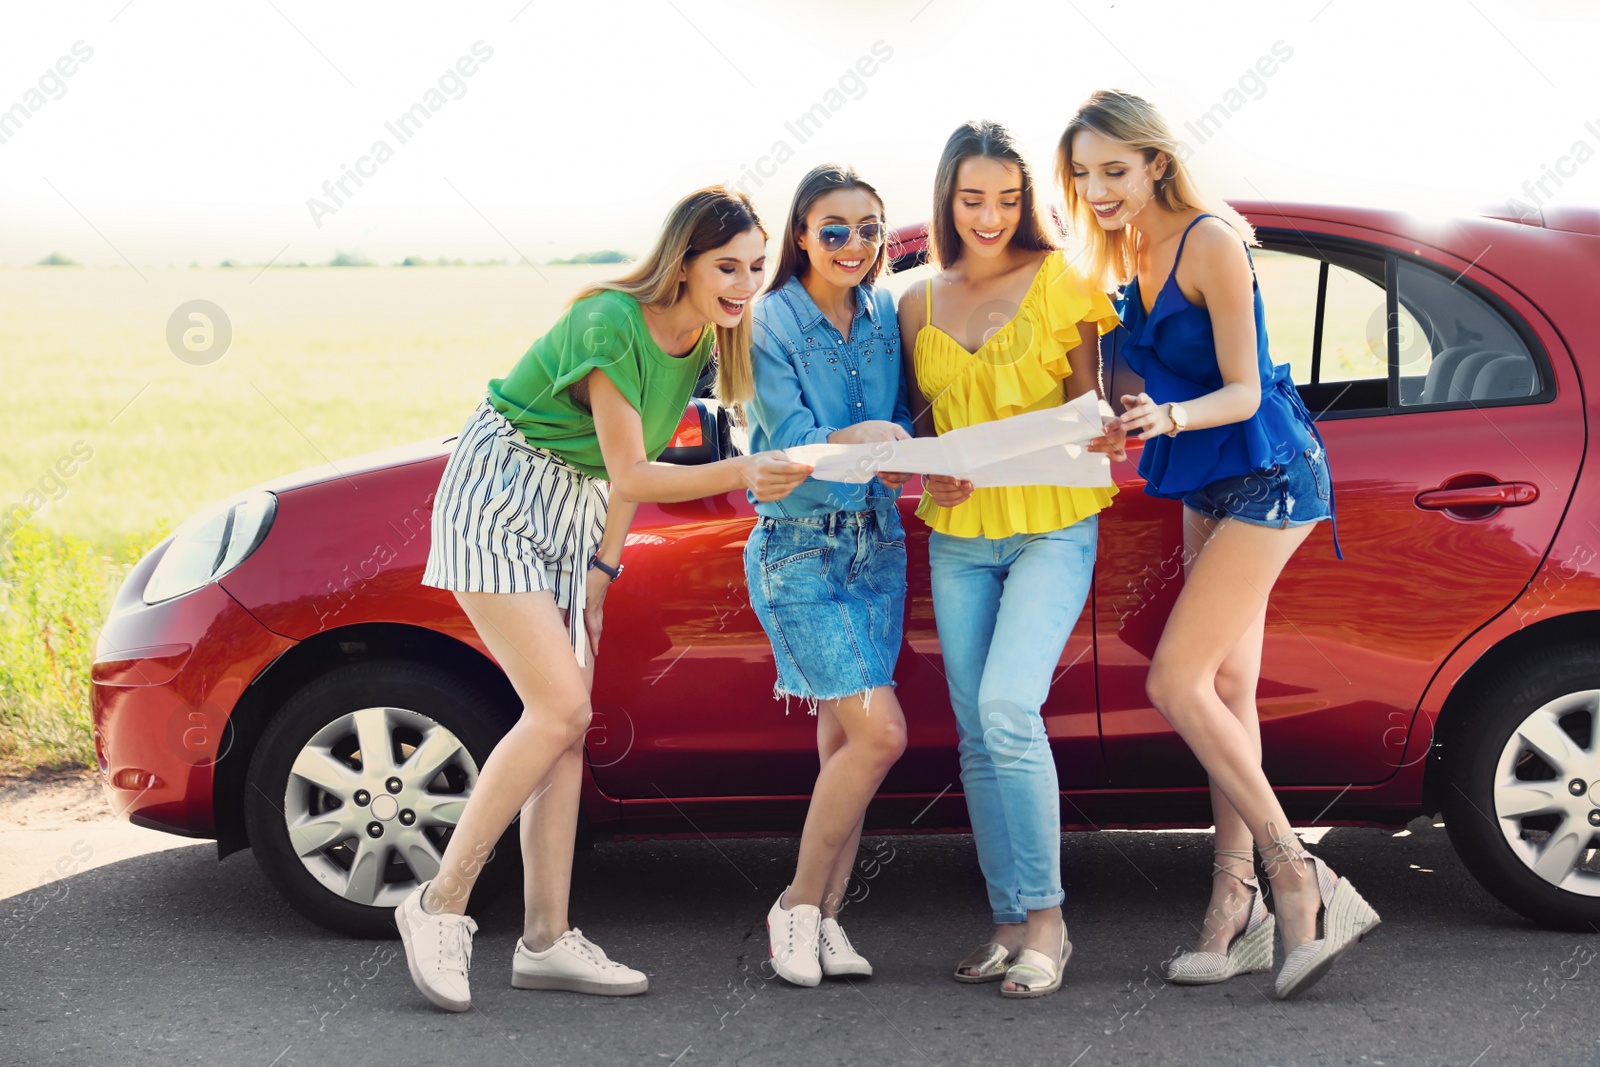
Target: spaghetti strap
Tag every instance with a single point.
(1185, 238)
(927, 298)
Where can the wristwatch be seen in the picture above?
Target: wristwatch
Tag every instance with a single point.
(1179, 417)
(612, 572)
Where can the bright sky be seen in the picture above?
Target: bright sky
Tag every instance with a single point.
(198, 130)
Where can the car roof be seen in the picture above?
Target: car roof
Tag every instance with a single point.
(1461, 233)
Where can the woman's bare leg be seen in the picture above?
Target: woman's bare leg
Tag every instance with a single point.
(1228, 911)
(548, 835)
(831, 738)
(838, 884)
(525, 634)
(873, 741)
(1223, 595)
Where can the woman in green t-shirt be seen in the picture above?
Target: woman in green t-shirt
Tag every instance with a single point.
(528, 535)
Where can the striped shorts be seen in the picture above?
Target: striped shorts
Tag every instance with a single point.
(512, 518)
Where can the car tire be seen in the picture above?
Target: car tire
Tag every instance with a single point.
(1510, 807)
(320, 724)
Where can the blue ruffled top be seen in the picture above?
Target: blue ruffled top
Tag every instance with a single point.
(1173, 349)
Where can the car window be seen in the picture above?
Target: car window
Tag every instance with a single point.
(1352, 328)
(1289, 296)
(1327, 317)
(1326, 320)
(1458, 349)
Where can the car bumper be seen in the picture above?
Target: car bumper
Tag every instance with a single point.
(166, 678)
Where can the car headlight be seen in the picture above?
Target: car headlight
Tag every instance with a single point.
(210, 544)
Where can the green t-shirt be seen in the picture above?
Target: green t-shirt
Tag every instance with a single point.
(604, 332)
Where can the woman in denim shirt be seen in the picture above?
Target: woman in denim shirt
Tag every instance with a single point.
(826, 567)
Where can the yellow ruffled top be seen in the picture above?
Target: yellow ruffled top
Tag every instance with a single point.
(1018, 369)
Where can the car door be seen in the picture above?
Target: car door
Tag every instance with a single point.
(1453, 447)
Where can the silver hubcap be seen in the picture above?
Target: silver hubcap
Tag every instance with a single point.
(1547, 791)
(371, 800)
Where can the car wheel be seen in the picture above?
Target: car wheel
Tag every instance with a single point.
(357, 785)
(1522, 787)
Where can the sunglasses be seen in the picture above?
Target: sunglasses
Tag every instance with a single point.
(835, 235)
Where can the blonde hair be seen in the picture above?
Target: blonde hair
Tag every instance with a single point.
(1134, 121)
(706, 219)
(989, 140)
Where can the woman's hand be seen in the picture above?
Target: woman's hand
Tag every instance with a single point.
(1140, 413)
(772, 475)
(1113, 442)
(893, 479)
(946, 491)
(870, 432)
(595, 584)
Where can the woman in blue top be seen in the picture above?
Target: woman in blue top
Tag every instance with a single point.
(826, 566)
(1225, 432)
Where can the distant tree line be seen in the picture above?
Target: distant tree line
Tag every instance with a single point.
(608, 256)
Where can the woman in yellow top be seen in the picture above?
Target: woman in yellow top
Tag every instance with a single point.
(1007, 327)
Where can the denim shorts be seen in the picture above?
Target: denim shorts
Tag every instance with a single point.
(831, 593)
(1295, 493)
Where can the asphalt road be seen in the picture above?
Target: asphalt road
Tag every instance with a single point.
(172, 957)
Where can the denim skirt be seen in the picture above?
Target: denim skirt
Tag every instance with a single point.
(831, 593)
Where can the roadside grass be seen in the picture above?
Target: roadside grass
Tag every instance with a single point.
(55, 591)
(110, 440)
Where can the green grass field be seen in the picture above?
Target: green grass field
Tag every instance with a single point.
(109, 439)
(324, 363)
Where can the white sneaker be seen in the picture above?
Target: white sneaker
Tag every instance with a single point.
(576, 964)
(438, 950)
(839, 956)
(792, 940)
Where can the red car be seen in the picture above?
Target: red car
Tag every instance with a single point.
(274, 675)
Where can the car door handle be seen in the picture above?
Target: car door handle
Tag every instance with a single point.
(1499, 495)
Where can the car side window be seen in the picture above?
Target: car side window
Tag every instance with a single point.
(1457, 348)
(1326, 320)
(1289, 294)
(1352, 328)
(1327, 310)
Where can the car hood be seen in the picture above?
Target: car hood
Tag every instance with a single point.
(398, 456)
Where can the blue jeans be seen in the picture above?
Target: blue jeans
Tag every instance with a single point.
(1005, 608)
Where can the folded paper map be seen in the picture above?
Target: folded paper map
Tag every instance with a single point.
(1038, 448)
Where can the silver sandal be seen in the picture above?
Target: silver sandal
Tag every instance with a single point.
(1343, 918)
(1249, 951)
(1036, 974)
(989, 961)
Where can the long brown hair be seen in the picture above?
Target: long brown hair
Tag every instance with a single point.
(793, 262)
(1134, 121)
(705, 219)
(991, 141)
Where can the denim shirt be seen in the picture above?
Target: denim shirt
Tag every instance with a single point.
(810, 382)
